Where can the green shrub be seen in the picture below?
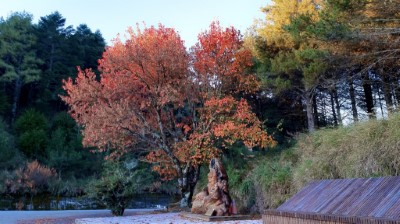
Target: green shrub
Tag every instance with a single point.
(31, 129)
(33, 143)
(114, 188)
(9, 155)
(31, 119)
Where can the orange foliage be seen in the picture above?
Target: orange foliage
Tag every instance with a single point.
(139, 79)
(222, 122)
(145, 81)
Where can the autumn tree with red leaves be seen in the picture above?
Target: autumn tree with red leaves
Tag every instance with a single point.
(149, 100)
(220, 62)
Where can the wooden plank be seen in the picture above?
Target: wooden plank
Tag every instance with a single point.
(271, 217)
(377, 197)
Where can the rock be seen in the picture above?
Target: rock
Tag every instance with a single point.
(214, 200)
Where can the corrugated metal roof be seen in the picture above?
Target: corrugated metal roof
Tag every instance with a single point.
(359, 197)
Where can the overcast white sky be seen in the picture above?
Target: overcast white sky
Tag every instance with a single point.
(188, 17)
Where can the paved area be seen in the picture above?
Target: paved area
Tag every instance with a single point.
(140, 216)
(59, 217)
(162, 218)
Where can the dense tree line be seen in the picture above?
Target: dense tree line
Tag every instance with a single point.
(34, 58)
(35, 128)
(337, 60)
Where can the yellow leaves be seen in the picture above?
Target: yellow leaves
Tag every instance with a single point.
(279, 14)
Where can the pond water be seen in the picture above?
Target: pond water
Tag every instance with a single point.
(47, 202)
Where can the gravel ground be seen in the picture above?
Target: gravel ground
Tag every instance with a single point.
(162, 218)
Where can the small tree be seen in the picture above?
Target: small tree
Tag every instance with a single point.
(118, 184)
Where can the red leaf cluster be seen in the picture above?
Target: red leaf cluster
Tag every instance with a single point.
(220, 62)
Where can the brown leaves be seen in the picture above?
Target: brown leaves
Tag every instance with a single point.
(31, 178)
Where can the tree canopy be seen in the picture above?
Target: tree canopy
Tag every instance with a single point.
(149, 100)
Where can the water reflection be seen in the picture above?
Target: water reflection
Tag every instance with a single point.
(48, 202)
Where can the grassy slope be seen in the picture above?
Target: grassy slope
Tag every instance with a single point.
(363, 150)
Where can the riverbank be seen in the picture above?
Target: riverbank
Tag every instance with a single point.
(61, 216)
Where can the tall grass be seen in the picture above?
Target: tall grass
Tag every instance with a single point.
(363, 150)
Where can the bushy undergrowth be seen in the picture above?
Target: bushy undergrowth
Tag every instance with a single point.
(10, 158)
(263, 182)
(30, 179)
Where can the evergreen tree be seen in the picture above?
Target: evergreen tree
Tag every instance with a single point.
(19, 64)
(295, 63)
(52, 45)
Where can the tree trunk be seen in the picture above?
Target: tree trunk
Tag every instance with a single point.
(315, 111)
(335, 120)
(187, 184)
(338, 113)
(380, 101)
(323, 116)
(184, 175)
(17, 93)
(387, 93)
(308, 101)
(397, 91)
(369, 99)
(353, 99)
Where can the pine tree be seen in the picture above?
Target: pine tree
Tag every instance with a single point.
(19, 64)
